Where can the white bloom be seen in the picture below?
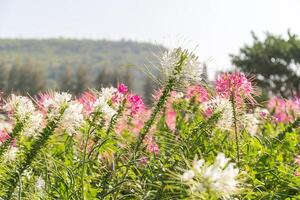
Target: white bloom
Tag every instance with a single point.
(5, 125)
(20, 106)
(40, 184)
(219, 178)
(23, 109)
(188, 175)
(57, 100)
(107, 93)
(11, 154)
(198, 164)
(72, 118)
(191, 71)
(103, 103)
(224, 107)
(221, 160)
(33, 124)
(107, 110)
(251, 123)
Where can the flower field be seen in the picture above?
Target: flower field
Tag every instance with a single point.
(197, 141)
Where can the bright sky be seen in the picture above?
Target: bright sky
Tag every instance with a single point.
(216, 27)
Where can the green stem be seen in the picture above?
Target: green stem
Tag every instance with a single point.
(235, 129)
(30, 155)
(161, 102)
(83, 163)
(15, 134)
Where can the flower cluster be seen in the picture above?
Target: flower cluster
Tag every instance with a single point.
(222, 107)
(22, 110)
(61, 104)
(198, 92)
(284, 110)
(191, 67)
(20, 107)
(235, 85)
(152, 146)
(220, 178)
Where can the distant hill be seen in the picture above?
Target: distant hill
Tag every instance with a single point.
(57, 56)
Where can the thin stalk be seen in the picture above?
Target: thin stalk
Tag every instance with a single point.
(15, 134)
(114, 119)
(233, 103)
(161, 102)
(83, 163)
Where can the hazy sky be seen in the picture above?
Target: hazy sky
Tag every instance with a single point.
(216, 27)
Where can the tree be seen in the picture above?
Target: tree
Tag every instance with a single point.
(82, 81)
(275, 62)
(66, 81)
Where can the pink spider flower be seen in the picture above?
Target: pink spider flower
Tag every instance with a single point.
(122, 88)
(283, 110)
(4, 136)
(236, 84)
(208, 112)
(136, 104)
(87, 99)
(152, 146)
(171, 120)
(41, 99)
(143, 160)
(197, 91)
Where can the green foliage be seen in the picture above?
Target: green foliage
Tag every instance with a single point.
(275, 61)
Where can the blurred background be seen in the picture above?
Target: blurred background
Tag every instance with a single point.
(74, 45)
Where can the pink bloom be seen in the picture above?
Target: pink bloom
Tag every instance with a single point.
(41, 99)
(235, 84)
(157, 94)
(296, 173)
(4, 136)
(284, 111)
(143, 160)
(14, 142)
(87, 99)
(282, 117)
(171, 120)
(197, 91)
(208, 112)
(122, 88)
(152, 146)
(136, 104)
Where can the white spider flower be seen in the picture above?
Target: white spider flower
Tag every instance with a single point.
(224, 107)
(107, 93)
(40, 184)
(57, 100)
(191, 71)
(107, 110)
(33, 124)
(53, 103)
(19, 106)
(72, 118)
(220, 178)
(103, 103)
(250, 123)
(24, 110)
(188, 175)
(11, 154)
